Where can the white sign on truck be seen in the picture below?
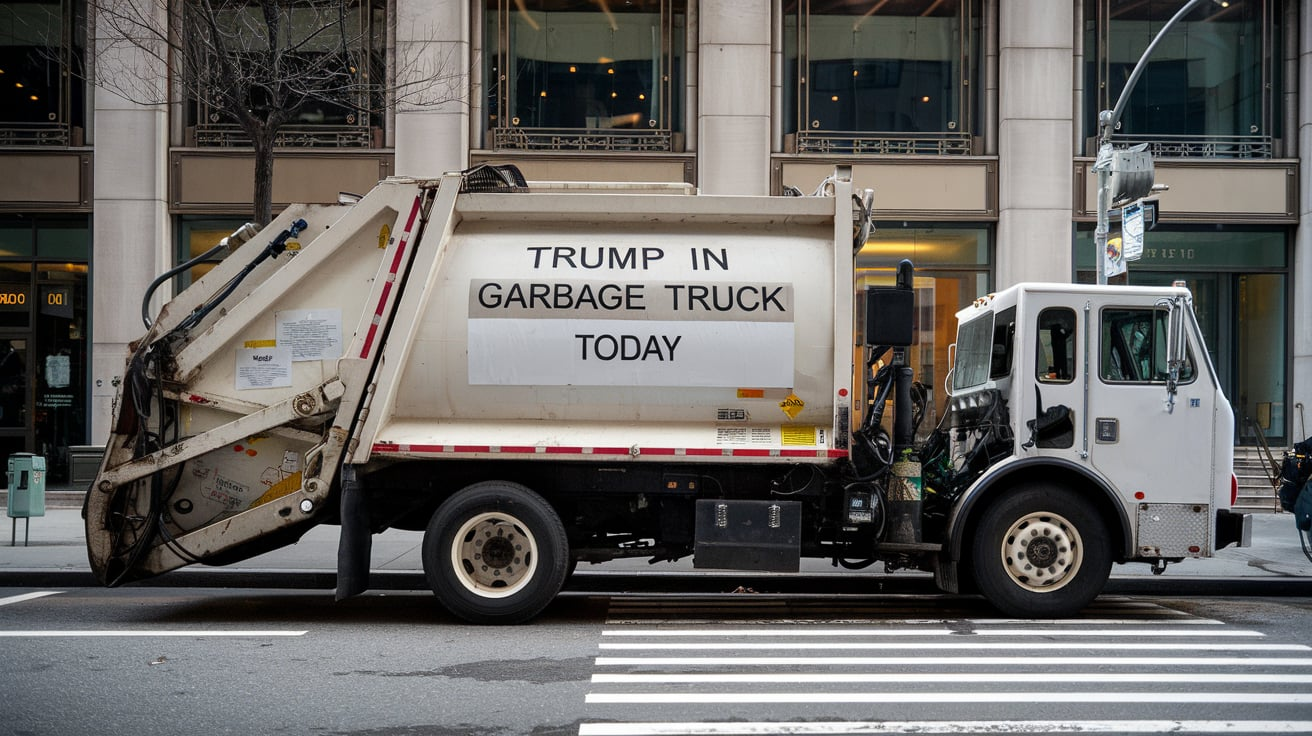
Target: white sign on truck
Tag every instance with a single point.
(540, 375)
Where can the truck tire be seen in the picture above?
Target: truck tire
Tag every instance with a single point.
(495, 553)
(1040, 552)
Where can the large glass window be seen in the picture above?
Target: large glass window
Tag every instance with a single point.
(334, 64)
(1239, 280)
(585, 75)
(43, 338)
(41, 92)
(879, 77)
(1211, 87)
(952, 270)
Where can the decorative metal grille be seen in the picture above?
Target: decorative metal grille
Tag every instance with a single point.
(843, 142)
(289, 136)
(45, 134)
(573, 139)
(1212, 146)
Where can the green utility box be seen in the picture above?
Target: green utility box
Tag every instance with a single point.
(27, 485)
(27, 491)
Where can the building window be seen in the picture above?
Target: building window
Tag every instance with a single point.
(1238, 276)
(585, 76)
(951, 270)
(196, 236)
(42, 43)
(1211, 88)
(886, 77)
(335, 83)
(44, 302)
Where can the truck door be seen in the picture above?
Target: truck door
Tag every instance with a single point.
(1051, 382)
(1152, 452)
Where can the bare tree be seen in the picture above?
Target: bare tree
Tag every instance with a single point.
(261, 64)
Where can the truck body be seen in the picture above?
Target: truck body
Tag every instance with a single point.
(540, 375)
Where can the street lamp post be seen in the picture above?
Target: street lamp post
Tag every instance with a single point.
(1107, 120)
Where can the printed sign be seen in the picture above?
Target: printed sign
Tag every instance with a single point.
(310, 334)
(264, 368)
(561, 332)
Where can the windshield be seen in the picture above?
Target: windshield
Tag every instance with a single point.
(974, 352)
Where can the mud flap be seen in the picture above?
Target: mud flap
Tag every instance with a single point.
(356, 541)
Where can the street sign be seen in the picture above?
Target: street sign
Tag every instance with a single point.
(1132, 231)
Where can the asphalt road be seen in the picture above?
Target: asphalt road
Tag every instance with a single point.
(155, 660)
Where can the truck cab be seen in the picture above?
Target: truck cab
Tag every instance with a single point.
(1102, 397)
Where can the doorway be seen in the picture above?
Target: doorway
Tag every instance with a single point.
(1243, 318)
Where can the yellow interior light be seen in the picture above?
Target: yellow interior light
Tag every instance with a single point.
(834, 98)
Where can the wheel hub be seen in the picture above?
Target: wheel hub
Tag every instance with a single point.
(1042, 551)
(493, 555)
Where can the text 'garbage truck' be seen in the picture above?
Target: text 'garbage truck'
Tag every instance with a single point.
(545, 374)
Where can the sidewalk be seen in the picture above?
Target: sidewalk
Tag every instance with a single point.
(55, 551)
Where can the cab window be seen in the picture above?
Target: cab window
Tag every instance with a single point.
(1055, 354)
(1134, 347)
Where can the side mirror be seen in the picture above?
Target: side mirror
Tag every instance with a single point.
(1176, 348)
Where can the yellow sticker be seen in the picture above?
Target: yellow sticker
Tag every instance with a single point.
(260, 344)
(384, 235)
(798, 435)
(792, 406)
(751, 393)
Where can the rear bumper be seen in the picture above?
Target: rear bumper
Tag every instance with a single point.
(1233, 529)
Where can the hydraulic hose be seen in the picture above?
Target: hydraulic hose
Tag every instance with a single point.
(241, 235)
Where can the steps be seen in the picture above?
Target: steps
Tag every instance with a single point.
(1256, 492)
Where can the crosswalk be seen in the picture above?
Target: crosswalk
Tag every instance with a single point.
(760, 665)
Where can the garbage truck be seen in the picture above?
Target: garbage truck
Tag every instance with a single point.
(543, 374)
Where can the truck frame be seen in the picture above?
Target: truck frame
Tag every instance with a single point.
(545, 374)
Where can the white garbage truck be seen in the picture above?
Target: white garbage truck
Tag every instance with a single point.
(543, 374)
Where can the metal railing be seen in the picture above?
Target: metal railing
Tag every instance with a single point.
(1203, 146)
(582, 139)
(289, 136)
(855, 143)
(36, 134)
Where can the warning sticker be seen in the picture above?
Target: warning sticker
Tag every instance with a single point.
(796, 435)
(792, 406)
(763, 436)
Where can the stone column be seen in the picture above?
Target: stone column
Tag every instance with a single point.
(1300, 277)
(432, 50)
(1035, 125)
(733, 124)
(132, 239)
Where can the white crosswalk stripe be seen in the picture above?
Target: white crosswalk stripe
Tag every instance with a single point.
(777, 666)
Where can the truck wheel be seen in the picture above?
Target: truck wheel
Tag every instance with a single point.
(1041, 551)
(495, 553)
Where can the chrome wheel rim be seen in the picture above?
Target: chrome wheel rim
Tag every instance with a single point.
(1042, 551)
(494, 555)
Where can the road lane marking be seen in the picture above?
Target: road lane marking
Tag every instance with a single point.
(936, 677)
(902, 698)
(837, 728)
(109, 633)
(974, 645)
(1064, 662)
(827, 629)
(28, 596)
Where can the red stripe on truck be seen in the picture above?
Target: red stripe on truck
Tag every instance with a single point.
(393, 448)
(392, 272)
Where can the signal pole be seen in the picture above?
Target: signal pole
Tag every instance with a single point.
(1107, 162)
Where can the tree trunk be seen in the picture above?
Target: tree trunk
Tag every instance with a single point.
(263, 204)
